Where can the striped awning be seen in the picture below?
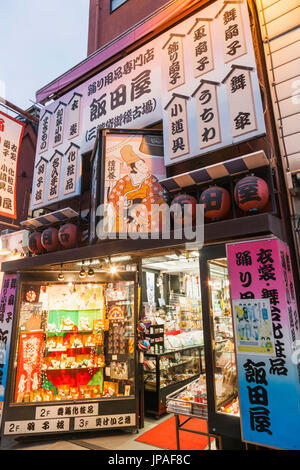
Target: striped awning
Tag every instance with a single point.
(54, 217)
(220, 170)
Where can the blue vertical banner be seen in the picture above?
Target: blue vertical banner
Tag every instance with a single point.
(7, 306)
(267, 339)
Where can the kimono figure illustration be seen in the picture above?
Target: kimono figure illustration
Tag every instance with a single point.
(130, 200)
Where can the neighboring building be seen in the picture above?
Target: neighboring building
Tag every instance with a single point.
(109, 19)
(25, 169)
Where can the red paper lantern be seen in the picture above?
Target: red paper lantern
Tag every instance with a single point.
(216, 202)
(251, 194)
(50, 239)
(67, 235)
(34, 243)
(184, 209)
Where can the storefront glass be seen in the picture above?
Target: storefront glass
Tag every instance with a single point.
(226, 392)
(75, 341)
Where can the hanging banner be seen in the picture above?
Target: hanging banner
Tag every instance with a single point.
(267, 337)
(7, 305)
(11, 133)
(29, 365)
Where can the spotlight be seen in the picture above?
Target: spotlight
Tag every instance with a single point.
(113, 269)
(82, 273)
(91, 272)
(60, 277)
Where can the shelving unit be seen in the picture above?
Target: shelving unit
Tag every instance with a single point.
(165, 379)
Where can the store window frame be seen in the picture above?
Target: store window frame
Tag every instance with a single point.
(116, 4)
(218, 423)
(36, 277)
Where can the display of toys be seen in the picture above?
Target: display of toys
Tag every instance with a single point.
(67, 324)
(84, 324)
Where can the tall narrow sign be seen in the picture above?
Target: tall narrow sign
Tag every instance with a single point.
(174, 70)
(231, 25)
(178, 126)
(200, 36)
(11, 133)
(267, 335)
(209, 131)
(241, 101)
(7, 305)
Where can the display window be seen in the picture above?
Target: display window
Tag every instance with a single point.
(172, 315)
(225, 372)
(75, 341)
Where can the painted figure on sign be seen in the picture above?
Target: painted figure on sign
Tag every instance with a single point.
(130, 200)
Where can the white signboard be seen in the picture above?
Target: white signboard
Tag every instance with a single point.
(62, 411)
(135, 91)
(36, 427)
(11, 133)
(105, 421)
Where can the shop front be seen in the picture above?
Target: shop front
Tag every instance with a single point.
(104, 334)
(114, 315)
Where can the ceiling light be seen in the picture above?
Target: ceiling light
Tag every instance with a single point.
(82, 273)
(113, 269)
(60, 277)
(91, 272)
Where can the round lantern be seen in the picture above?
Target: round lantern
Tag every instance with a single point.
(34, 243)
(67, 235)
(143, 345)
(184, 209)
(251, 194)
(216, 202)
(141, 327)
(50, 239)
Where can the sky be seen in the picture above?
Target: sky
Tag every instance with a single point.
(39, 40)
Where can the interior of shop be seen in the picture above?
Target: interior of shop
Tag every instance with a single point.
(77, 334)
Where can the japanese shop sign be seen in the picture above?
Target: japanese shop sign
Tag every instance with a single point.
(105, 422)
(133, 165)
(11, 133)
(33, 427)
(209, 48)
(7, 305)
(267, 334)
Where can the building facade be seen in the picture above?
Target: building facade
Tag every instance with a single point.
(119, 313)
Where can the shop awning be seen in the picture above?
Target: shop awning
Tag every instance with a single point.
(220, 170)
(54, 217)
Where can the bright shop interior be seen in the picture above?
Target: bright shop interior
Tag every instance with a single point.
(78, 335)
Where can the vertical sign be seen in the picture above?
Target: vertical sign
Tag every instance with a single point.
(55, 169)
(241, 100)
(44, 125)
(200, 35)
(71, 164)
(59, 118)
(174, 61)
(178, 126)
(260, 273)
(11, 133)
(209, 131)
(40, 179)
(231, 25)
(7, 304)
(74, 116)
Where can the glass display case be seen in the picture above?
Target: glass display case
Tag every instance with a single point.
(75, 341)
(224, 364)
(168, 371)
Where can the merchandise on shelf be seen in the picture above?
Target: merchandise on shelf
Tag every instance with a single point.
(74, 349)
